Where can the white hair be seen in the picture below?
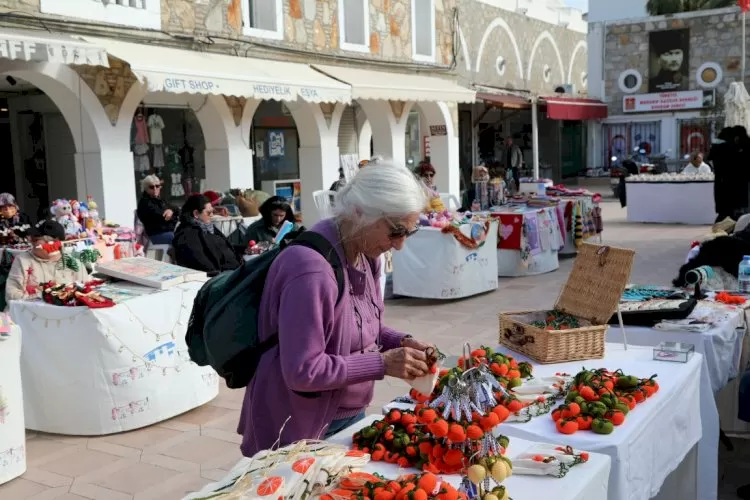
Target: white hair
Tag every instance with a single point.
(383, 189)
(149, 180)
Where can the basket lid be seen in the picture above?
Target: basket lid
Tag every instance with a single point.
(596, 283)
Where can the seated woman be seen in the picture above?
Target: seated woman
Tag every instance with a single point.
(157, 218)
(10, 215)
(41, 264)
(319, 376)
(274, 212)
(696, 165)
(426, 173)
(198, 244)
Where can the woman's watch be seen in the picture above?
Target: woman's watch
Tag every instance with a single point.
(405, 338)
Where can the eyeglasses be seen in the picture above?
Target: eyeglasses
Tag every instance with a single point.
(158, 186)
(428, 174)
(400, 231)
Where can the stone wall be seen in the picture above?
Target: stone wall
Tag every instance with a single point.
(507, 40)
(715, 37)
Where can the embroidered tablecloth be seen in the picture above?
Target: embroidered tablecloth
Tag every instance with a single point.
(12, 429)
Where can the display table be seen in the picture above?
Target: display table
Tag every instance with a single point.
(100, 371)
(581, 208)
(12, 429)
(528, 241)
(434, 265)
(588, 481)
(658, 437)
(671, 202)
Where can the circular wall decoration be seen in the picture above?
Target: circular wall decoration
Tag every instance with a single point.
(630, 81)
(547, 73)
(709, 75)
(500, 65)
(584, 79)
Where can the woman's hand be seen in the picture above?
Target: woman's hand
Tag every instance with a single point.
(168, 214)
(415, 344)
(405, 363)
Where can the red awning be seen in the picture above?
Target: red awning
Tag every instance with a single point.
(504, 100)
(570, 108)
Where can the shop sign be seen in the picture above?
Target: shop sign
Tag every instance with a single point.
(181, 84)
(48, 51)
(669, 101)
(438, 130)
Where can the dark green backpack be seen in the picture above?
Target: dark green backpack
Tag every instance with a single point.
(223, 327)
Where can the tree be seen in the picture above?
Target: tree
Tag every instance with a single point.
(662, 7)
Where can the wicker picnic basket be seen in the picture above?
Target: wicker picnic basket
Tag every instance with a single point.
(591, 294)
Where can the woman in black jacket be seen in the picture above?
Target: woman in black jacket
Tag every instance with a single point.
(157, 218)
(198, 244)
(274, 212)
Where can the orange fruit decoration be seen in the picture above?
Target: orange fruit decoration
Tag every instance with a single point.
(269, 486)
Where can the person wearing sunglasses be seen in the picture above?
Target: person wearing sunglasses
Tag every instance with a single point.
(331, 349)
(41, 264)
(427, 174)
(158, 219)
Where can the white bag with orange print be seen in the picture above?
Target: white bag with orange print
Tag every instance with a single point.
(292, 472)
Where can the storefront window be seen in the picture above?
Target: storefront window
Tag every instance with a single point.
(413, 150)
(276, 147)
(169, 143)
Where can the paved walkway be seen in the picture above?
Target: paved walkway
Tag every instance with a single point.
(166, 460)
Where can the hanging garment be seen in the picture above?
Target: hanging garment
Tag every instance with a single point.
(577, 225)
(140, 156)
(155, 126)
(531, 223)
(158, 155)
(141, 131)
(177, 189)
(509, 231)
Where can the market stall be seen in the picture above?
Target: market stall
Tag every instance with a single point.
(583, 221)
(653, 449)
(100, 371)
(671, 198)
(587, 482)
(447, 263)
(529, 239)
(12, 429)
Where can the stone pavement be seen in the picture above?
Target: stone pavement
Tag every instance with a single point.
(167, 460)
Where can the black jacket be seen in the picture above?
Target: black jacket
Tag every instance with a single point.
(22, 219)
(151, 214)
(259, 232)
(197, 249)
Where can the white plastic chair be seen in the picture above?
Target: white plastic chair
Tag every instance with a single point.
(324, 202)
(448, 200)
(159, 252)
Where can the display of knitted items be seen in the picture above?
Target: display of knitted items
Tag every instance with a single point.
(177, 189)
(596, 214)
(475, 241)
(88, 257)
(509, 231)
(14, 235)
(577, 225)
(640, 293)
(557, 320)
(75, 294)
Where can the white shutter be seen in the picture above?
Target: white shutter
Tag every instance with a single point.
(263, 14)
(424, 24)
(348, 133)
(354, 19)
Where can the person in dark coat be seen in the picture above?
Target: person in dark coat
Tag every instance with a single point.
(720, 157)
(198, 244)
(158, 219)
(274, 212)
(628, 168)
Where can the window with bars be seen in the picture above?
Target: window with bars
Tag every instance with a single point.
(423, 29)
(354, 24)
(697, 134)
(623, 140)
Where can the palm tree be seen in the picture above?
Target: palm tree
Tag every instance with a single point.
(661, 7)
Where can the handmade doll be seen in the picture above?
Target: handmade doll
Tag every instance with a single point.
(63, 212)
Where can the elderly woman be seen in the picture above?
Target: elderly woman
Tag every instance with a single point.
(330, 351)
(274, 212)
(10, 215)
(198, 244)
(41, 264)
(696, 165)
(157, 218)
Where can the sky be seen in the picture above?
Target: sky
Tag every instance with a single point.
(578, 4)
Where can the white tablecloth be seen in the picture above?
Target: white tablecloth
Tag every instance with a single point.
(434, 265)
(721, 348)
(671, 202)
(100, 371)
(584, 482)
(510, 264)
(549, 241)
(657, 438)
(12, 429)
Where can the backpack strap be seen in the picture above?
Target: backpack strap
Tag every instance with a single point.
(320, 244)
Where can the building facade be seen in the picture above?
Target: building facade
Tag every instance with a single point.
(663, 79)
(513, 52)
(233, 93)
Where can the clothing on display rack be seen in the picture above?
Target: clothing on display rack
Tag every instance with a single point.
(141, 130)
(140, 157)
(158, 155)
(155, 126)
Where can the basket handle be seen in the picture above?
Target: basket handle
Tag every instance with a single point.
(515, 335)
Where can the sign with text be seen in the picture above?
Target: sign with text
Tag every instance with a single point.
(669, 101)
(438, 130)
(22, 49)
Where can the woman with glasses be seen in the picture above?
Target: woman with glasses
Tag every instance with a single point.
(198, 244)
(427, 174)
(157, 218)
(319, 377)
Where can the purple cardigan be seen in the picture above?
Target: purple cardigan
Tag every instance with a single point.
(319, 348)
